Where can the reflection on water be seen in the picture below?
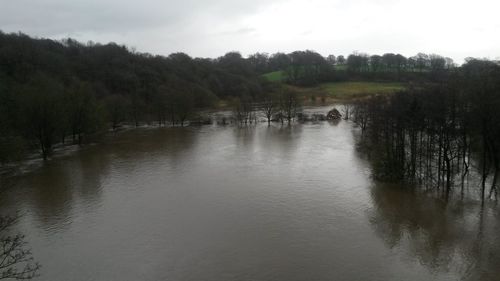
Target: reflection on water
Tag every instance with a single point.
(251, 203)
(442, 235)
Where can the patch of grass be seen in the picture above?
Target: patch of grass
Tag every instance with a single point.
(275, 76)
(327, 93)
(341, 67)
(333, 91)
(347, 90)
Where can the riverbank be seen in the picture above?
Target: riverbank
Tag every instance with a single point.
(220, 116)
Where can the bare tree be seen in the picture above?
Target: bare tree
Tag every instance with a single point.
(269, 108)
(289, 103)
(345, 109)
(242, 110)
(16, 261)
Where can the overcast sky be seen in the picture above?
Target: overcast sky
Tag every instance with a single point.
(210, 28)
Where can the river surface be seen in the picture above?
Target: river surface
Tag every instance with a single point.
(217, 203)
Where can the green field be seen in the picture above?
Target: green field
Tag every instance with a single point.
(340, 90)
(280, 75)
(346, 90)
(342, 67)
(275, 76)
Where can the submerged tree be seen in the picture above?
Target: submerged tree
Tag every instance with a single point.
(243, 110)
(269, 106)
(116, 106)
(41, 111)
(184, 105)
(289, 103)
(433, 134)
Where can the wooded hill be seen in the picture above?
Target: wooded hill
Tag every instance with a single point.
(54, 90)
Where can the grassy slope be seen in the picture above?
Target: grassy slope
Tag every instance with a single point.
(280, 75)
(335, 91)
(275, 76)
(345, 91)
(341, 90)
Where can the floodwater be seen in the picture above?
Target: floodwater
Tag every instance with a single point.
(217, 203)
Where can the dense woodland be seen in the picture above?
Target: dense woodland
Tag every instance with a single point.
(51, 91)
(439, 134)
(54, 92)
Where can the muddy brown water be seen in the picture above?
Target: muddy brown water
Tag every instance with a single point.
(252, 203)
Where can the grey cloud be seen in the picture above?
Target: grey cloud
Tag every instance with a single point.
(53, 17)
(213, 27)
(239, 31)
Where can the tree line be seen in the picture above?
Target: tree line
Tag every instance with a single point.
(66, 91)
(438, 134)
(280, 104)
(390, 62)
(263, 62)
(308, 68)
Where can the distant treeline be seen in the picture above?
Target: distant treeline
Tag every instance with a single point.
(308, 68)
(440, 134)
